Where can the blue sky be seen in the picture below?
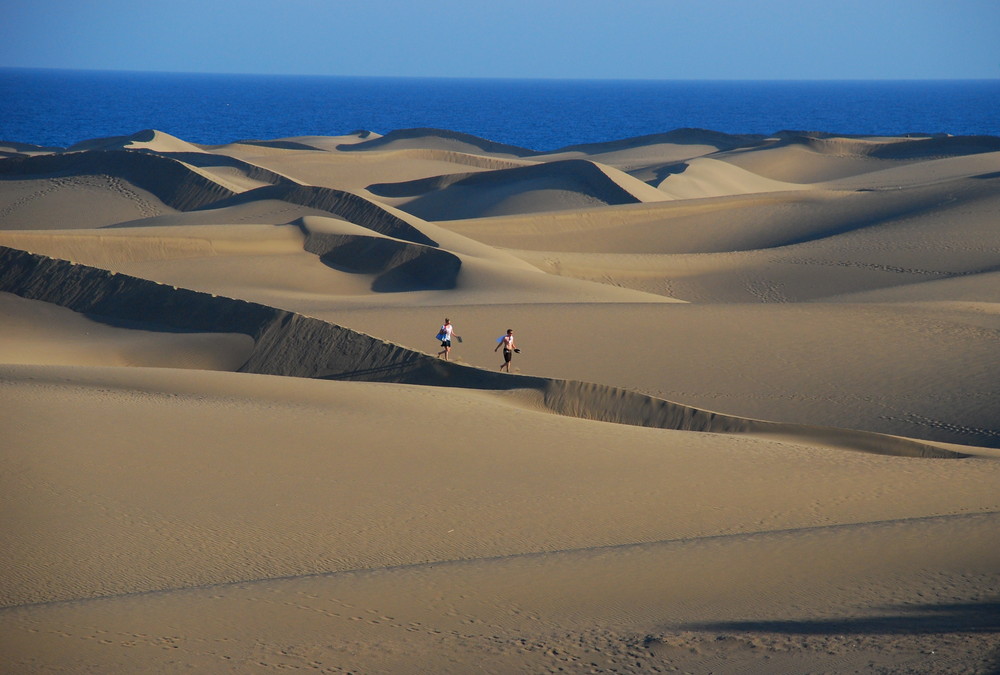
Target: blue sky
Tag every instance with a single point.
(645, 39)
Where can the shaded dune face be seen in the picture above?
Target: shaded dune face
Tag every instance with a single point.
(179, 186)
(351, 207)
(705, 137)
(421, 138)
(137, 139)
(921, 147)
(578, 183)
(174, 184)
(399, 266)
(818, 158)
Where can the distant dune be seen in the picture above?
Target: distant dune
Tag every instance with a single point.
(545, 187)
(751, 425)
(436, 139)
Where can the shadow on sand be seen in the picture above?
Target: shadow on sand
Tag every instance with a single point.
(971, 617)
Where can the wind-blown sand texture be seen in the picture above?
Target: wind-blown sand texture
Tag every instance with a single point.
(754, 426)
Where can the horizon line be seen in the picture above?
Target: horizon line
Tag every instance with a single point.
(499, 77)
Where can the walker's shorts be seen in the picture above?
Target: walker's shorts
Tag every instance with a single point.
(445, 343)
(506, 355)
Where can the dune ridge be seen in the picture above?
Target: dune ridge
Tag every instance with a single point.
(293, 345)
(399, 265)
(489, 162)
(504, 191)
(436, 138)
(352, 207)
(174, 179)
(149, 139)
(214, 160)
(175, 184)
(928, 147)
(716, 139)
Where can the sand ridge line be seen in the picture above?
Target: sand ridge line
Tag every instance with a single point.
(184, 182)
(286, 343)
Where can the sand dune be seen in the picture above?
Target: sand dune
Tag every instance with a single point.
(752, 426)
(705, 177)
(928, 147)
(352, 207)
(539, 188)
(147, 139)
(400, 266)
(177, 185)
(729, 223)
(13, 149)
(811, 159)
(439, 139)
(701, 142)
(327, 167)
(652, 158)
(298, 346)
(43, 333)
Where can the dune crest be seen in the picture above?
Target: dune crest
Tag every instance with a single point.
(147, 139)
(700, 137)
(557, 185)
(347, 205)
(705, 177)
(925, 147)
(399, 265)
(293, 345)
(175, 184)
(436, 139)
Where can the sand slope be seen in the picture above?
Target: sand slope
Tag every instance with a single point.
(753, 426)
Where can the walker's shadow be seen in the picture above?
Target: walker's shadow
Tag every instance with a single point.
(979, 617)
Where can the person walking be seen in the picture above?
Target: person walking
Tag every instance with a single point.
(445, 335)
(509, 349)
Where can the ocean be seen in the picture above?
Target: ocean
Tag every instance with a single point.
(62, 107)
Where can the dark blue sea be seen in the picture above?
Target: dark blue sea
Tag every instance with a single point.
(61, 107)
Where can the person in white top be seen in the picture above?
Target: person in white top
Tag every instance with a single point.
(445, 335)
(509, 348)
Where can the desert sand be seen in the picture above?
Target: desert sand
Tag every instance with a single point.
(754, 426)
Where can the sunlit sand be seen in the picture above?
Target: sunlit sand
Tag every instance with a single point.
(752, 426)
